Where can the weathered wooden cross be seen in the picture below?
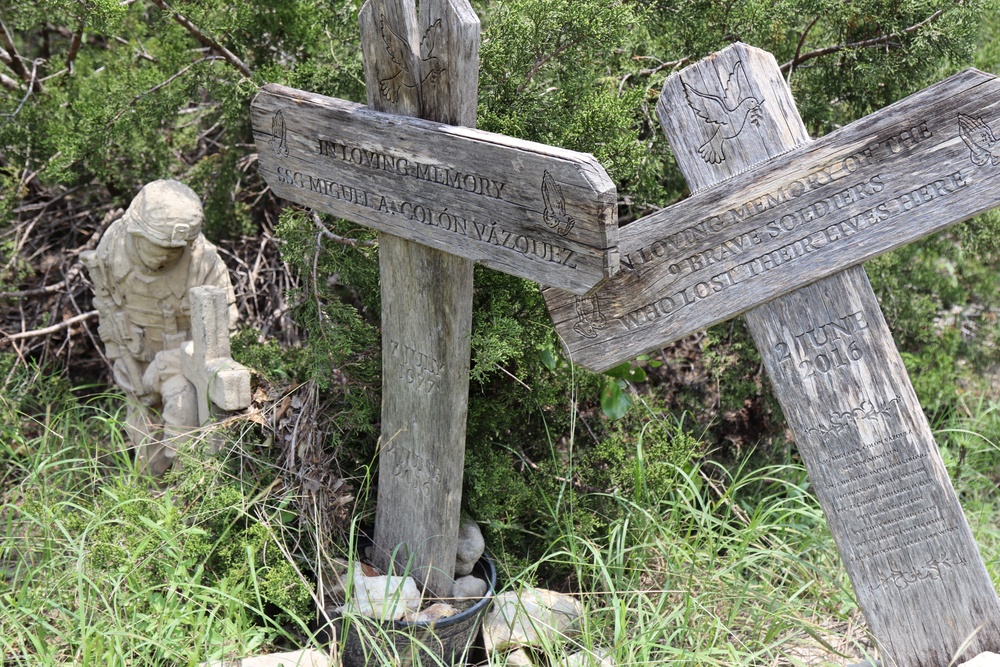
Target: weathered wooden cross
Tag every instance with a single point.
(442, 197)
(777, 227)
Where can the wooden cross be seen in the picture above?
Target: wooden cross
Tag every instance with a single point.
(777, 227)
(442, 195)
(206, 359)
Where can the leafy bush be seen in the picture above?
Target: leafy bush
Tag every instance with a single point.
(100, 97)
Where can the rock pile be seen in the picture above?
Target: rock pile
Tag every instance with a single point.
(520, 622)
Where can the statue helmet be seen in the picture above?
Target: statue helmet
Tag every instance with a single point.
(167, 213)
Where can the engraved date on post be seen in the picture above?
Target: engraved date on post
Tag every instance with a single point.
(415, 471)
(824, 348)
(420, 371)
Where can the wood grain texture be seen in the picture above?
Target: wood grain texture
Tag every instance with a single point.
(873, 464)
(535, 211)
(426, 329)
(904, 172)
(872, 461)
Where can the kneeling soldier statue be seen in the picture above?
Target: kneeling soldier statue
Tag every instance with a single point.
(143, 271)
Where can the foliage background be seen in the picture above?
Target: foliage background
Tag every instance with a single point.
(98, 97)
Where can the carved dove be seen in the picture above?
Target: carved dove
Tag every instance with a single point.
(728, 113)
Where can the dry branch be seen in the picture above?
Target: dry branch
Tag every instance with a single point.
(325, 232)
(540, 62)
(55, 328)
(74, 47)
(13, 60)
(788, 67)
(228, 55)
(162, 84)
(8, 82)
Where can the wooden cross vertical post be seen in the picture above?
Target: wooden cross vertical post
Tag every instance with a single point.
(428, 69)
(535, 211)
(901, 533)
(782, 240)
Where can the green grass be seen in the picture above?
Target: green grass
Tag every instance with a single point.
(99, 567)
(703, 578)
(721, 567)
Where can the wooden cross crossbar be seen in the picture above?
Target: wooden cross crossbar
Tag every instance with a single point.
(442, 195)
(786, 212)
(534, 211)
(906, 171)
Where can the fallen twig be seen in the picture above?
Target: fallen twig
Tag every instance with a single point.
(55, 328)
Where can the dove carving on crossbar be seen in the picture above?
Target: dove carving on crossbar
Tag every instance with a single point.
(726, 114)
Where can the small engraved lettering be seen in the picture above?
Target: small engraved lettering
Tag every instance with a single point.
(403, 166)
(417, 369)
(413, 470)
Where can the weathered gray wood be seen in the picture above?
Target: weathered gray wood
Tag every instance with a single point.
(904, 172)
(535, 211)
(872, 461)
(426, 324)
(907, 547)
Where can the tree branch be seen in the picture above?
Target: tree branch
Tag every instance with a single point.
(865, 44)
(55, 328)
(229, 56)
(162, 84)
(342, 240)
(798, 47)
(9, 83)
(31, 88)
(13, 60)
(540, 62)
(650, 71)
(74, 47)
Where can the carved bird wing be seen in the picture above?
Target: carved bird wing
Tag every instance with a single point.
(429, 40)
(978, 137)
(710, 108)
(395, 45)
(737, 85)
(432, 66)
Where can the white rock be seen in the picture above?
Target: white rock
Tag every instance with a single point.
(435, 612)
(519, 658)
(308, 658)
(470, 548)
(598, 658)
(530, 618)
(384, 598)
(986, 659)
(470, 587)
